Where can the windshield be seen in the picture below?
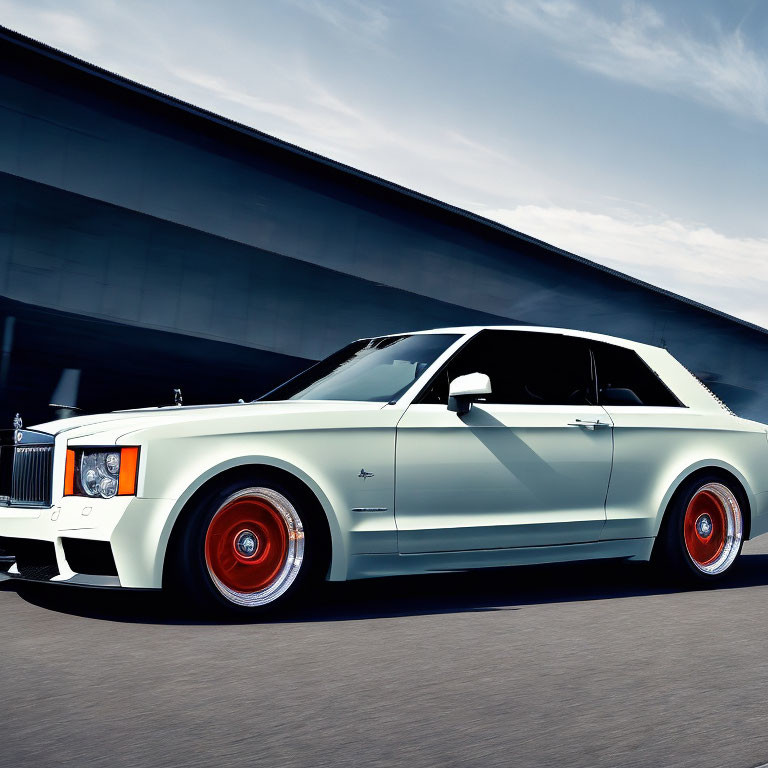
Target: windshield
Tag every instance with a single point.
(371, 370)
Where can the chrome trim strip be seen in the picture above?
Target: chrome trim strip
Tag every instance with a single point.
(369, 509)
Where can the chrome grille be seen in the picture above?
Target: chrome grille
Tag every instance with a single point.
(31, 478)
(26, 467)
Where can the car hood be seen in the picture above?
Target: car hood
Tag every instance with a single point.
(119, 423)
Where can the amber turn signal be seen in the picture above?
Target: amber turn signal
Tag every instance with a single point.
(69, 474)
(129, 463)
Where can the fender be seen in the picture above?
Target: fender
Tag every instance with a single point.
(695, 467)
(339, 549)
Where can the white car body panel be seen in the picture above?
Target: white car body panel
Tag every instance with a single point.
(641, 484)
(494, 478)
(501, 485)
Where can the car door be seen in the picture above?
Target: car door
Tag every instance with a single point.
(529, 465)
(652, 435)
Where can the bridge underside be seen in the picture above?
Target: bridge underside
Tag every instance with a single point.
(148, 245)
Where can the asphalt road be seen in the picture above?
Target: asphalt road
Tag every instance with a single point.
(579, 665)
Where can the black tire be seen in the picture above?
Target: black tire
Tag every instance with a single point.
(189, 576)
(683, 533)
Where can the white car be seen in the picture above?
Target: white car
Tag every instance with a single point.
(419, 452)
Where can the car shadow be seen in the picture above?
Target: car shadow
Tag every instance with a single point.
(492, 589)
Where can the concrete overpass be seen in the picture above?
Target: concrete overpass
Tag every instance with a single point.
(149, 244)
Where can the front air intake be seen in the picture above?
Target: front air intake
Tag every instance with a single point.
(34, 559)
(93, 558)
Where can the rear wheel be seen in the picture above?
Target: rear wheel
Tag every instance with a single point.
(247, 548)
(703, 531)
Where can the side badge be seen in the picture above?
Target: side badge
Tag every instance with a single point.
(365, 475)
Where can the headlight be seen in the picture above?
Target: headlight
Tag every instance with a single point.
(101, 472)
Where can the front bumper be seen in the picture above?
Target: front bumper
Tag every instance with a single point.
(78, 580)
(136, 531)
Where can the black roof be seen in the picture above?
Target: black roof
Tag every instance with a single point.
(459, 214)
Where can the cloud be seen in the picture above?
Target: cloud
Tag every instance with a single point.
(308, 113)
(636, 44)
(59, 29)
(349, 16)
(728, 273)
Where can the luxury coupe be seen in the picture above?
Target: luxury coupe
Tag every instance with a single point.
(439, 450)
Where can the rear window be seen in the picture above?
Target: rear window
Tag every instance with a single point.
(623, 378)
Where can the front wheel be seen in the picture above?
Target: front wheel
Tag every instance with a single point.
(703, 531)
(246, 548)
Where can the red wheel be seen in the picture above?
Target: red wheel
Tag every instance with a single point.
(254, 546)
(712, 528)
(705, 527)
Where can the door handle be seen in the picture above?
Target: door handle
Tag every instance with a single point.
(588, 424)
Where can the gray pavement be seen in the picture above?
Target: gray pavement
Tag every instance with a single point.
(580, 665)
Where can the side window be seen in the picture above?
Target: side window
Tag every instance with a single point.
(624, 379)
(524, 368)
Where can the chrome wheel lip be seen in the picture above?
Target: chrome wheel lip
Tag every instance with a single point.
(293, 559)
(734, 530)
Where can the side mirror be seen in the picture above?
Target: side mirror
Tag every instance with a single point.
(465, 389)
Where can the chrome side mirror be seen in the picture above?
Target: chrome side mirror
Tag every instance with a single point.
(465, 389)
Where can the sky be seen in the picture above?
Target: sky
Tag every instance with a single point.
(633, 133)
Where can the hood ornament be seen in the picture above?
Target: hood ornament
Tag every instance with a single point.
(177, 398)
(17, 422)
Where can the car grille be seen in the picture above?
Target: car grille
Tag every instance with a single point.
(26, 469)
(31, 476)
